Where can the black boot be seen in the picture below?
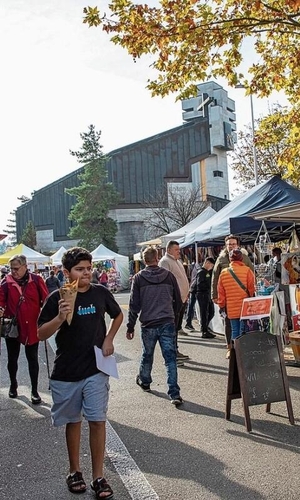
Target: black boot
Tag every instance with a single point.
(35, 397)
(13, 393)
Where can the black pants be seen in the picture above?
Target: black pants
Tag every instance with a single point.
(228, 331)
(179, 322)
(207, 310)
(31, 352)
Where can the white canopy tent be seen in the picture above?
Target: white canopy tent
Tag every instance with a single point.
(290, 212)
(32, 257)
(55, 259)
(180, 234)
(121, 262)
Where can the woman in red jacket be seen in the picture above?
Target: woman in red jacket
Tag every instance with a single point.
(22, 294)
(231, 293)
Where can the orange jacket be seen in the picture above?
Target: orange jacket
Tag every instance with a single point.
(230, 294)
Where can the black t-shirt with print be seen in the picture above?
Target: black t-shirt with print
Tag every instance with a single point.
(75, 356)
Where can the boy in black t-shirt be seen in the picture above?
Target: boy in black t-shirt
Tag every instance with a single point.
(78, 387)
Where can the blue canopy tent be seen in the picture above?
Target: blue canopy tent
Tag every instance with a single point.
(234, 218)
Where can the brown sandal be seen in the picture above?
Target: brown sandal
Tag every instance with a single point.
(100, 485)
(76, 483)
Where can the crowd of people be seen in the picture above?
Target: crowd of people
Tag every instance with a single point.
(161, 296)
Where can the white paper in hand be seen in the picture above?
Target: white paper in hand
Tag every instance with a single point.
(107, 364)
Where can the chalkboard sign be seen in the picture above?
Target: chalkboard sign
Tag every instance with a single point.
(260, 368)
(257, 374)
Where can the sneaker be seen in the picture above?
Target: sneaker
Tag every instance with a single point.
(228, 354)
(145, 387)
(181, 357)
(177, 401)
(181, 332)
(190, 328)
(179, 362)
(208, 335)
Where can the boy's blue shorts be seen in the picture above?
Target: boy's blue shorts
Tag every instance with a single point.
(72, 400)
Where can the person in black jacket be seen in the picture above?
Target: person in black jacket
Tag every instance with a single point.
(202, 289)
(155, 295)
(52, 282)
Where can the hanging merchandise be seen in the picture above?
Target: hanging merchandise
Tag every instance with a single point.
(290, 265)
(264, 270)
(294, 242)
(114, 281)
(263, 244)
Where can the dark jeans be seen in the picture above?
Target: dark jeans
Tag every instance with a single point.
(31, 352)
(166, 336)
(207, 310)
(191, 309)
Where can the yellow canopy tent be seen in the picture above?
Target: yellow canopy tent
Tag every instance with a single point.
(32, 256)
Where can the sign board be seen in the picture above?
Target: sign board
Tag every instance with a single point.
(259, 368)
(258, 363)
(257, 307)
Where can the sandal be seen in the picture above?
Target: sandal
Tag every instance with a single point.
(100, 485)
(76, 483)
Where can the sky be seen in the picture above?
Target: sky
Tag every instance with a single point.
(57, 77)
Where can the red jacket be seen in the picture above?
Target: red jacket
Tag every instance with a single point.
(34, 295)
(230, 294)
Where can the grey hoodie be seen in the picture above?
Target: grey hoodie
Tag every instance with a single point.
(156, 296)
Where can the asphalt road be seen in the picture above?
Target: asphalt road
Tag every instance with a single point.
(155, 451)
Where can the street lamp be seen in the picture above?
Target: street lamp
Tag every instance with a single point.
(241, 86)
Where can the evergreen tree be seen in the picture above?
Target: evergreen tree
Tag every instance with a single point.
(11, 229)
(11, 226)
(29, 235)
(95, 196)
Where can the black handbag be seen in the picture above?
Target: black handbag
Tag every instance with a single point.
(9, 328)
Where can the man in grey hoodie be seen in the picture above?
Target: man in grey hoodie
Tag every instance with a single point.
(156, 297)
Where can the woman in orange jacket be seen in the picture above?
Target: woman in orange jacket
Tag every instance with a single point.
(231, 293)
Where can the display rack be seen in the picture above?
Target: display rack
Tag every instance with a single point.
(264, 272)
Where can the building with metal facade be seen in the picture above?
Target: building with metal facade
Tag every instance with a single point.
(175, 157)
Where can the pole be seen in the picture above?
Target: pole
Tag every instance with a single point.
(253, 143)
(47, 361)
(255, 166)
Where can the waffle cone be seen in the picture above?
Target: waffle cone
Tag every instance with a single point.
(68, 292)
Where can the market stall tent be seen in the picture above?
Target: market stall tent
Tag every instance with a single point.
(101, 254)
(154, 242)
(235, 217)
(32, 256)
(285, 213)
(55, 259)
(180, 234)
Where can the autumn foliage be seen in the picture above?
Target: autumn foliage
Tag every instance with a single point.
(190, 41)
